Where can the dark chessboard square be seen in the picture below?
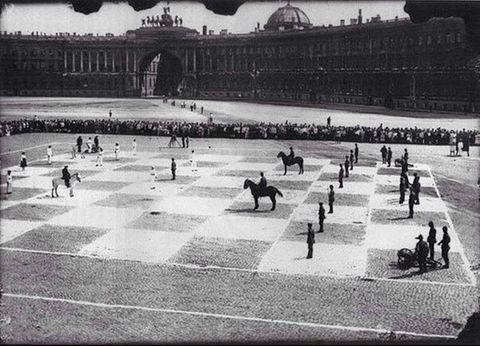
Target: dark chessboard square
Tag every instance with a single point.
(259, 159)
(245, 254)
(383, 264)
(168, 154)
(397, 171)
(366, 163)
(56, 238)
(212, 192)
(165, 222)
(138, 168)
(101, 185)
(247, 174)
(400, 217)
(333, 233)
(44, 163)
(179, 179)
(83, 173)
(20, 193)
(121, 159)
(125, 200)
(206, 164)
(290, 184)
(394, 189)
(33, 212)
(315, 197)
(352, 177)
(282, 211)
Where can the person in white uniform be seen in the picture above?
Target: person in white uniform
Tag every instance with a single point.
(193, 162)
(49, 154)
(134, 146)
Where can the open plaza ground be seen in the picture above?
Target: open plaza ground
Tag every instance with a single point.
(132, 259)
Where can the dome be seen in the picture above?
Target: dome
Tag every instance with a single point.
(288, 17)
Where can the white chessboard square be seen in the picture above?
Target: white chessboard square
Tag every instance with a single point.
(220, 181)
(242, 227)
(11, 229)
(137, 245)
(218, 158)
(363, 170)
(315, 161)
(396, 237)
(35, 182)
(99, 217)
(341, 214)
(191, 205)
(30, 171)
(389, 201)
(81, 198)
(349, 187)
(289, 257)
(160, 162)
(292, 174)
(187, 171)
(395, 180)
(251, 166)
(122, 176)
(153, 188)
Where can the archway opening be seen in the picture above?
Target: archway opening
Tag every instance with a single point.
(161, 74)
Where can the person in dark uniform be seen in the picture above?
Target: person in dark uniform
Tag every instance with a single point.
(96, 143)
(173, 168)
(262, 184)
(340, 177)
(79, 143)
(321, 216)
(416, 187)
(183, 140)
(404, 183)
(384, 154)
(421, 252)
(351, 160)
(411, 203)
(66, 176)
(291, 155)
(432, 239)
(405, 160)
(445, 246)
(329, 121)
(310, 240)
(331, 199)
(347, 165)
(356, 153)
(389, 156)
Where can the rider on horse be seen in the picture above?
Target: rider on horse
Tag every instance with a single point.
(262, 184)
(291, 155)
(66, 176)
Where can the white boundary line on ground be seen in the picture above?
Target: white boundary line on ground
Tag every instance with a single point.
(30, 148)
(466, 262)
(251, 271)
(230, 317)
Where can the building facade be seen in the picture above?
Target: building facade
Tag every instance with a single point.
(393, 63)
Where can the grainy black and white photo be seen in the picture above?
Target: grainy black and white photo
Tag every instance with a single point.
(240, 172)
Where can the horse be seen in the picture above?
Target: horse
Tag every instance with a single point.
(400, 163)
(297, 160)
(270, 191)
(57, 181)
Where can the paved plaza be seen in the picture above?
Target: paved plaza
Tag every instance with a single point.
(202, 224)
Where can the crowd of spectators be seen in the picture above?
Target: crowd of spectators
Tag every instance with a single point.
(259, 130)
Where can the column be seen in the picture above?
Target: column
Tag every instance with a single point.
(98, 59)
(113, 60)
(89, 61)
(194, 60)
(81, 61)
(233, 60)
(65, 60)
(210, 62)
(73, 61)
(134, 61)
(105, 59)
(126, 61)
(186, 60)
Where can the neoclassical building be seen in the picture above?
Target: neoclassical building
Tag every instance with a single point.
(393, 63)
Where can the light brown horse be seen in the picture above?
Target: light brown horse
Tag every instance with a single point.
(56, 182)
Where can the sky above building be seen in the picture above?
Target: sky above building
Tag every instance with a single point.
(118, 18)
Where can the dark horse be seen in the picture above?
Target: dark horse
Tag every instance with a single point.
(270, 191)
(287, 162)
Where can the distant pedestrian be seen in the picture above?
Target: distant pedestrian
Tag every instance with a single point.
(411, 203)
(89, 145)
(96, 143)
(340, 177)
(351, 160)
(405, 160)
(404, 184)
(383, 151)
(79, 143)
(445, 246)
(134, 146)
(9, 182)
(173, 168)
(421, 251)
(329, 121)
(110, 114)
(321, 216)
(116, 151)
(49, 154)
(416, 187)
(23, 161)
(201, 110)
(347, 165)
(389, 156)
(99, 157)
(356, 153)
(183, 140)
(187, 141)
(310, 240)
(331, 199)
(432, 240)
